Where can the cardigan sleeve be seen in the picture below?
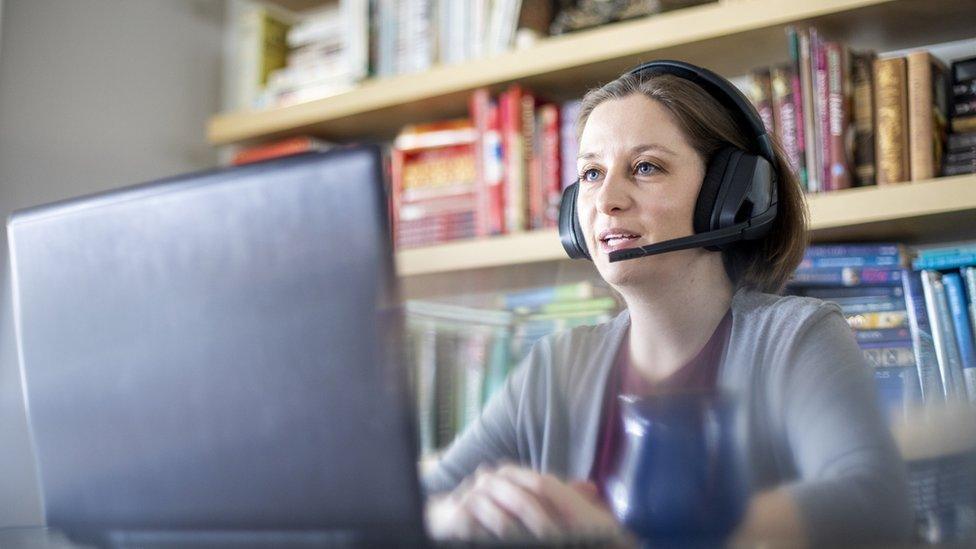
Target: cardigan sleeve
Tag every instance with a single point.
(852, 483)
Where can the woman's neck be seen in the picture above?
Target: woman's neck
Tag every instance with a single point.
(671, 321)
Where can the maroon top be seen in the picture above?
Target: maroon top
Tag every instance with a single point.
(700, 372)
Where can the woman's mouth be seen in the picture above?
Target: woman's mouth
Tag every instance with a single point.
(617, 240)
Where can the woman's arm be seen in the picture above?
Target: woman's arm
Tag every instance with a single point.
(852, 484)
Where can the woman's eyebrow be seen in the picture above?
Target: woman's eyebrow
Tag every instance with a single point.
(639, 148)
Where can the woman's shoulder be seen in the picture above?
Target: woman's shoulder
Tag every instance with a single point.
(779, 313)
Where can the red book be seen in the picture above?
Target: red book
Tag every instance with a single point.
(278, 149)
(479, 110)
(549, 153)
(515, 187)
(823, 123)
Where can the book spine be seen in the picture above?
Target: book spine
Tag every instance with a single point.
(784, 115)
(857, 305)
(568, 145)
(926, 362)
(945, 262)
(920, 105)
(838, 111)
(537, 297)
(891, 102)
(854, 291)
(796, 99)
(877, 321)
(962, 325)
(511, 118)
(851, 261)
(479, 105)
(530, 162)
(834, 250)
(890, 357)
(848, 276)
(823, 114)
(760, 94)
(863, 108)
(969, 276)
(946, 350)
(960, 141)
(885, 335)
(549, 117)
(809, 113)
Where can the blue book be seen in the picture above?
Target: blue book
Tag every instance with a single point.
(929, 253)
(851, 291)
(887, 335)
(923, 345)
(964, 333)
(969, 277)
(851, 261)
(848, 276)
(953, 261)
(862, 249)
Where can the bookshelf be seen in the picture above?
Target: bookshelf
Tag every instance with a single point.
(914, 211)
(729, 36)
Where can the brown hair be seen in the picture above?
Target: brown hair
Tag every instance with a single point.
(765, 264)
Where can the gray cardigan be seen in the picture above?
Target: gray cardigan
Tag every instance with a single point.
(813, 422)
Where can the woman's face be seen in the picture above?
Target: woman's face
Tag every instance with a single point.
(638, 182)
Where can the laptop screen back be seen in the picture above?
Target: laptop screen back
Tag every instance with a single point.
(214, 352)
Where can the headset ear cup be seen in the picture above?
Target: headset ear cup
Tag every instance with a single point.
(711, 184)
(570, 233)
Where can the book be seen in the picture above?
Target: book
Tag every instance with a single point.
(877, 320)
(510, 116)
(964, 124)
(969, 278)
(822, 94)
(550, 163)
(884, 335)
(855, 249)
(760, 93)
(891, 104)
(847, 276)
(536, 297)
(796, 100)
(785, 118)
(962, 325)
(889, 355)
(838, 116)
(262, 48)
(943, 335)
(927, 107)
(810, 117)
(277, 149)
(569, 145)
(850, 291)
(942, 262)
(863, 113)
(869, 304)
(859, 260)
(923, 345)
(958, 141)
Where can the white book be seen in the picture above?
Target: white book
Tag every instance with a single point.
(946, 349)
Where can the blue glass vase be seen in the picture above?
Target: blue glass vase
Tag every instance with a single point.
(679, 479)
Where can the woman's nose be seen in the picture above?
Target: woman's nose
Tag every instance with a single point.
(613, 196)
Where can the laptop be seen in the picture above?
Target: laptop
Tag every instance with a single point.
(211, 359)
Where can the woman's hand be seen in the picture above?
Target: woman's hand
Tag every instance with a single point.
(515, 503)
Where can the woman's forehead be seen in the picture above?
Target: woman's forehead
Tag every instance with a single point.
(620, 125)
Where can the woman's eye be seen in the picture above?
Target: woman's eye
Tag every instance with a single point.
(645, 168)
(590, 175)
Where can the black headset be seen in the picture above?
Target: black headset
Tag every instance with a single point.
(738, 196)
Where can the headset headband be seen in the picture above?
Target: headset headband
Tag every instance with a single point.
(728, 95)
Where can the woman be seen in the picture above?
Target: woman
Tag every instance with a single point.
(823, 465)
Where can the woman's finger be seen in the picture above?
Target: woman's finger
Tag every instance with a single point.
(495, 519)
(526, 506)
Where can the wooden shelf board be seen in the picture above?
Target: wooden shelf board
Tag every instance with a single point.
(729, 37)
(914, 211)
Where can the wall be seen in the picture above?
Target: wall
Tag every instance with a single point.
(94, 94)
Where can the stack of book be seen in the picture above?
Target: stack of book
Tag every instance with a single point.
(961, 153)
(435, 189)
(327, 54)
(461, 354)
(948, 279)
(913, 324)
(852, 118)
(520, 161)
